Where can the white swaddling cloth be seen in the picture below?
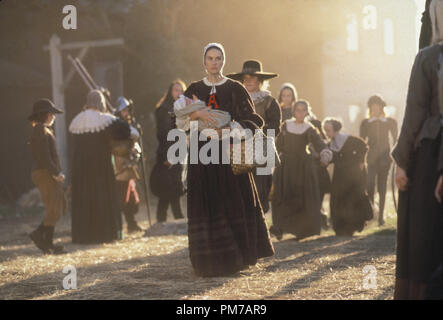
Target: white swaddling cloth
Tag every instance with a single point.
(182, 112)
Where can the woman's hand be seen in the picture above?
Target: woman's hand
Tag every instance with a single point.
(362, 166)
(401, 179)
(208, 118)
(439, 189)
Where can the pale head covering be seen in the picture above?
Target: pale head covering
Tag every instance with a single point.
(217, 46)
(96, 99)
(290, 86)
(436, 15)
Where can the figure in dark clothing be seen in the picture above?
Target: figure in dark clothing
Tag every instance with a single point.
(226, 225)
(426, 27)
(350, 204)
(126, 167)
(323, 175)
(46, 174)
(96, 212)
(287, 98)
(296, 206)
(166, 179)
(376, 130)
(255, 81)
(420, 218)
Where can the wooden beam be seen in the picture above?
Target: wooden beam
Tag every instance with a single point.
(71, 72)
(97, 43)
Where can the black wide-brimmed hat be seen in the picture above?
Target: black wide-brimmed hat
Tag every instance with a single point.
(254, 68)
(43, 105)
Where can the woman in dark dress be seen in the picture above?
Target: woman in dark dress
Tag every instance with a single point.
(287, 98)
(420, 218)
(166, 179)
(296, 202)
(226, 226)
(350, 205)
(96, 210)
(376, 130)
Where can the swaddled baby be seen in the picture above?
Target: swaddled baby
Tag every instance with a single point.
(182, 111)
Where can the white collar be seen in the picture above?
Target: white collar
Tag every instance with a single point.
(259, 95)
(89, 121)
(214, 90)
(338, 142)
(297, 128)
(384, 119)
(209, 84)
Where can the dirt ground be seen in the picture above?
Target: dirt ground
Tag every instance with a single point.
(139, 267)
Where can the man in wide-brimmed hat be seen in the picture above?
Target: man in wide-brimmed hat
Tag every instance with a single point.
(255, 81)
(46, 173)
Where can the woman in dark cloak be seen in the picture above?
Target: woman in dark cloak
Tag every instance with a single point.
(296, 206)
(166, 178)
(420, 218)
(226, 226)
(350, 205)
(95, 203)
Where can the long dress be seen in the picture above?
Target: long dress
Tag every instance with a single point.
(296, 205)
(350, 205)
(166, 183)
(323, 175)
(420, 218)
(226, 225)
(267, 107)
(96, 210)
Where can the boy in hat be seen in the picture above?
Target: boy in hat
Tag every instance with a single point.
(255, 81)
(46, 174)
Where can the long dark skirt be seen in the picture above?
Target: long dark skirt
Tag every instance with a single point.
(350, 204)
(226, 225)
(296, 202)
(419, 226)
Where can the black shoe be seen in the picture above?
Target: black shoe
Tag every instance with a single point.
(134, 227)
(53, 249)
(39, 239)
(276, 232)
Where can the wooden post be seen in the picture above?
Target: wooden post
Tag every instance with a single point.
(58, 98)
(59, 85)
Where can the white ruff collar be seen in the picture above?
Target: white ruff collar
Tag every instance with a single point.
(338, 142)
(259, 95)
(297, 128)
(89, 121)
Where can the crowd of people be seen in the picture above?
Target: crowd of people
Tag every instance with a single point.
(227, 231)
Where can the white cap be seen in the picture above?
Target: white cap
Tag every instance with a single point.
(218, 46)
